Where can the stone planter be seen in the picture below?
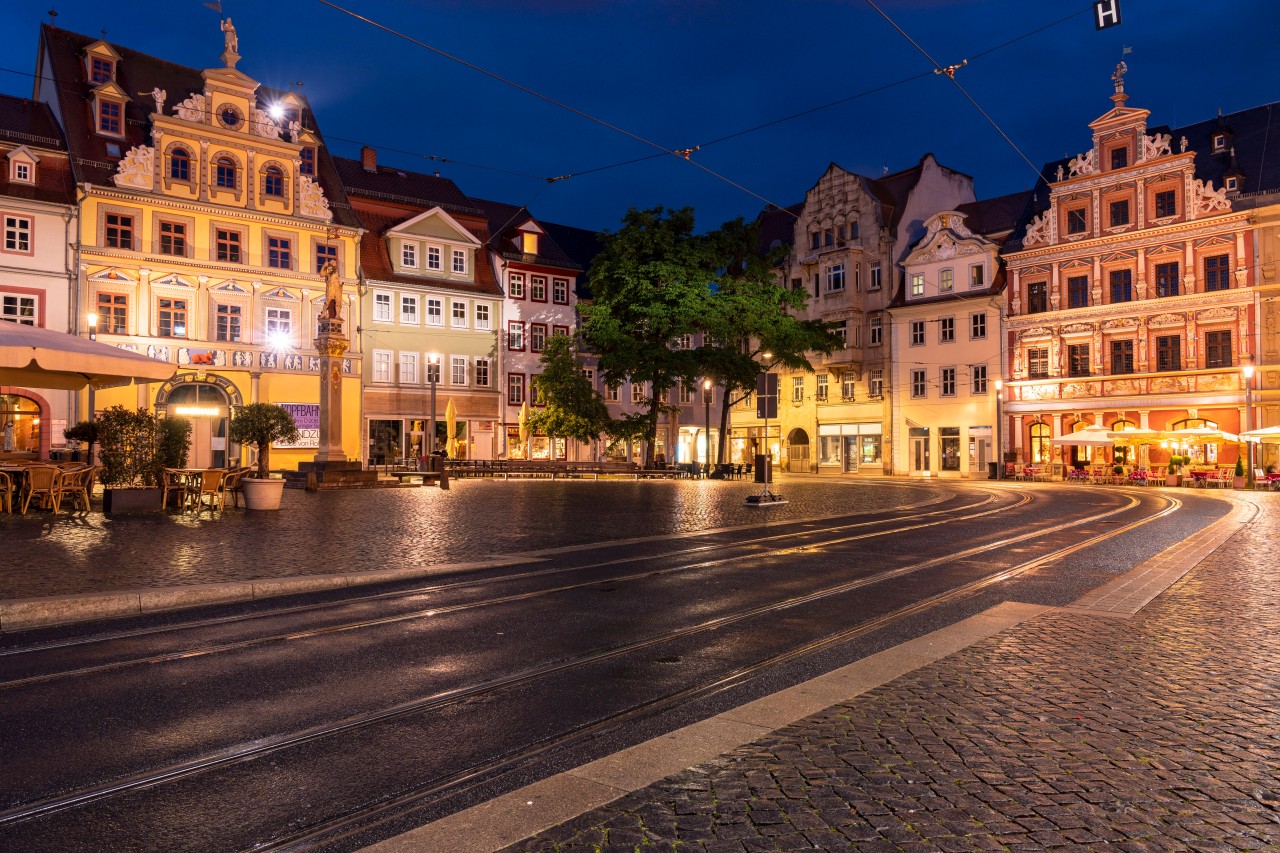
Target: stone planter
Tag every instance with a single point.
(261, 494)
(148, 499)
(1237, 482)
(1172, 479)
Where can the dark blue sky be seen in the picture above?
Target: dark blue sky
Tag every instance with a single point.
(684, 73)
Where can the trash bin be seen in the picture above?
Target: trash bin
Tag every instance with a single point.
(764, 468)
(993, 470)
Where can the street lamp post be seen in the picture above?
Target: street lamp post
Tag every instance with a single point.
(1248, 423)
(433, 377)
(93, 336)
(706, 443)
(999, 446)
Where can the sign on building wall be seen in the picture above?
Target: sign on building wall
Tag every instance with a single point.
(307, 417)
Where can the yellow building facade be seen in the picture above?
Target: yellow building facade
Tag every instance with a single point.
(205, 220)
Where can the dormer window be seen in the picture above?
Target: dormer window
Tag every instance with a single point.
(101, 70)
(1233, 184)
(110, 117)
(22, 172)
(1219, 142)
(529, 243)
(409, 255)
(1119, 157)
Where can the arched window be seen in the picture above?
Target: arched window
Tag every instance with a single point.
(273, 182)
(180, 164)
(1040, 444)
(225, 173)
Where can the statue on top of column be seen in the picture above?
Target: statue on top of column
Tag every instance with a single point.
(332, 290)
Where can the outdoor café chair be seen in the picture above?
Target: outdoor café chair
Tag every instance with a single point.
(231, 485)
(45, 481)
(78, 485)
(6, 491)
(211, 486)
(176, 480)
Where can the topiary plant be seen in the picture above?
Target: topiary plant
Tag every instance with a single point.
(260, 424)
(1239, 466)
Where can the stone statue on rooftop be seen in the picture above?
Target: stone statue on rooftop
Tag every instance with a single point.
(1118, 76)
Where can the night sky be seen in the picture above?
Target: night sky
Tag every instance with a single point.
(681, 74)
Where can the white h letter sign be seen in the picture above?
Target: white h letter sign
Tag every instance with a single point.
(1106, 13)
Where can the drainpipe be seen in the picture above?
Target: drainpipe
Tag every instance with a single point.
(73, 279)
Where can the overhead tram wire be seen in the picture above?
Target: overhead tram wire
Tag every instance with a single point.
(949, 73)
(673, 152)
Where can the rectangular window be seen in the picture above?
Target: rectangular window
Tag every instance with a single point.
(22, 172)
(686, 394)
(435, 311)
(1121, 285)
(917, 333)
(1077, 359)
(102, 70)
(515, 335)
(947, 381)
(382, 307)
(875, 336)
(409, 309)
(917, 284)
(113, 313)
(537, 337)
(171, 318)
(1217, 271)
(875, 385)
(459, 261)
(433, 258)
(433, 368)
(227, 323)
(1119, 212)
(482, 316)
(1168, 353)
(308, 157)
(919, 384)
(18, 309)
(515, 388)
(279, 321)
(538, 288)
(1217, 349)
(947, 330)
(835, 278)
(119, 231)
(381, 366)
(977, 276)
(637, 392)
(409, 255)
(1122, 356)
(560, 291)
(1078, 291)
(560, 330)
(1167, 279)
(947, 281)
(109, 117)
(227, 246)
(458, 314)
(797, 389)
(173, 238)
(1166, 204)
(977, 327)
(820, 394)
(1037, 297)
(17, 234)
(515, 285)
(280, 253)
(611, 393)
(848, 384)
(408, 368)
(326, 252)
(978, 379)
(1038, 363)
(1119, 157)
(482, 373)
(1077, 221)
(457, 370)
(875, 277)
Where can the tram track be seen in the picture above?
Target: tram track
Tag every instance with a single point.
(360, 818)
(439, 610)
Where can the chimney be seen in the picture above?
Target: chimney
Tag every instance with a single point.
(369, 158)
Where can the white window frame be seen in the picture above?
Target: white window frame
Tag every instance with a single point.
(482, 313)
(434, 259)
(797, 389)
(382, 366)
(875, 382)
(459, 264)
(876, 331)
(835, 278)
(515, 285)
(557, 285)
(917, 284)
(919, 384)
(686, 394)
(515, 335)
(637, 393)
(947, 381)
(408, 368)
(822, 382)
(946, 330)
(914, 339)
(18, 231)
(482, 373)
(382, 307)
(516, 380)
(457, 363)
(408, 309)
(978, 326)
(409, 255)
(947, 280)
(874, 283)
(21, 302)
(278, 321)
(23, 172)
(434, 314)
(457, 306)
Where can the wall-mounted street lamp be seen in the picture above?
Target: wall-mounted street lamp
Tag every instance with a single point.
(706, 401)
(93, 326)
(433, 377)
(999, 446)
(1248, 421)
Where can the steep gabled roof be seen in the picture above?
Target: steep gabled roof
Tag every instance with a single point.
(996, 218)
(31, 125)
(138, 73)
(504, 224)
(375, 258)
(401, 185)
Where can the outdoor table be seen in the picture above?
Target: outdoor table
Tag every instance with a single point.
(1200, 478)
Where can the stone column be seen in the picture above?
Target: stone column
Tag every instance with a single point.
(331, 344)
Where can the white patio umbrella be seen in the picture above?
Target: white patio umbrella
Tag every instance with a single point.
(44, 358)
(1203, 435)
(1090, 436)
(1267, 434)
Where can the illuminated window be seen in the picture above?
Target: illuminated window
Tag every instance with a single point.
(227, 323)
(113, 313)
(279, 321)
(172, 318)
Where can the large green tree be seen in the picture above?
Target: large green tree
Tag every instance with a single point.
(649, 286)
(571, 407)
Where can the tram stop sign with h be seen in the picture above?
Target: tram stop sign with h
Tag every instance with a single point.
(767, 395)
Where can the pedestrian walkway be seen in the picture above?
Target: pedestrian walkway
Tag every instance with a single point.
(1134, 720)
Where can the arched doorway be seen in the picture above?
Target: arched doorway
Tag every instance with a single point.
(207, 406)
(798, 451)
(20, 420)
(1041, 433)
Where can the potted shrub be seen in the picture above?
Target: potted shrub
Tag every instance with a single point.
(1175, 465)
(129, 445)
(260, 424)
(86, 433)
(1237, 481)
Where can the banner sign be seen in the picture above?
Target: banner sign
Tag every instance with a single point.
(767, 395)
(307, 417)
(1106, 13)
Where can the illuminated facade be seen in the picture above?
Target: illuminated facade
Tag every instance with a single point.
(209, 205)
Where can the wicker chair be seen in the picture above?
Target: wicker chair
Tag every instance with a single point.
(212, 486)
(45, 481)
(176, 480)
(231, 485)
(7, 489)
(78, 485)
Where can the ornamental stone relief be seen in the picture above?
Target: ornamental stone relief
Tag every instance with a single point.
(1039, 392)
(1078, 329)
(1117, 387)
(1205, 199)
(1084, 164)
(1213, 314)
(1167, 320)
(192, 109)
(137, 169)
(1156, 146)
(1080, 389)
(262, 124)
(1218, 382)
(1038, 230)
(311, 199)
(1170, 384)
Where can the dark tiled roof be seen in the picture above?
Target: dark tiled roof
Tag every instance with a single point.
(505, 219)
(402, 186)
(137, 73)
(375, 261)
(580, 244)
(30, 123)
(995, 216)
(778, 224)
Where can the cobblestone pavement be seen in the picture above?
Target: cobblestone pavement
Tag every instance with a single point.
(1159, 732)
(49, 555)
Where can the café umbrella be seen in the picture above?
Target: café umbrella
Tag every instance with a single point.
(43, 358)
(1203, 435)
(450, 429)
(1267, 434)
(1090, 436)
